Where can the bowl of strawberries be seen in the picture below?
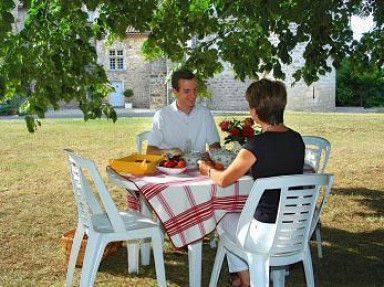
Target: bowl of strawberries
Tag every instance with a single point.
(172, 165)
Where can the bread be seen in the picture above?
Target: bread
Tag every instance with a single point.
(172, 152)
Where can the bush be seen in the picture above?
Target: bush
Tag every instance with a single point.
(11, 107)
(128, 93)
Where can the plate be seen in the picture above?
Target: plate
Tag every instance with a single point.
(170, 171)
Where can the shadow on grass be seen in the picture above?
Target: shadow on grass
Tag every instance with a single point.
(350, 259)
(372, 199)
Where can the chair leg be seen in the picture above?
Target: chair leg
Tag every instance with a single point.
(159, 258)
(308, 268)
(145, 247)
(133, 257)
(145, 252)
(220, 254)
(76, 245)
(278, 276)
(93, 254)
(259, 271)
(212, 240)
(318, 242)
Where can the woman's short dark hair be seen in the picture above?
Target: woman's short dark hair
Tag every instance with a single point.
(181, 75)
(269, 98)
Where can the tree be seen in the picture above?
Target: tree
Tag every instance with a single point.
(52, 59)
(356, 88)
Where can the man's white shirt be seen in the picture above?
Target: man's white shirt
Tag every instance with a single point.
(173, 128)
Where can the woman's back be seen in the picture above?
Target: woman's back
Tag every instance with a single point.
(277, 153)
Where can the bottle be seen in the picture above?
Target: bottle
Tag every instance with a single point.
(188, 146)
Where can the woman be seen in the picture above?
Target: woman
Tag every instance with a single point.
(278, 150)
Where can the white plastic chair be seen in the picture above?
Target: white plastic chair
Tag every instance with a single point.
(140, 139)
(106, 226)
(291, 238)
(317, 150)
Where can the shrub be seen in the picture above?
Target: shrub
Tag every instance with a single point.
(11, 107)
(128, 93)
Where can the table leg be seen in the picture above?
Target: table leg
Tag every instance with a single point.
(194, 262)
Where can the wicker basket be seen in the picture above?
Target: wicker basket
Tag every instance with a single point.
(67, 240)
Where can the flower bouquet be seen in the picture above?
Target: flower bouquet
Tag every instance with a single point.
(239, 131)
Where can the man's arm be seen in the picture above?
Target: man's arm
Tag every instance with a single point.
(157, 151)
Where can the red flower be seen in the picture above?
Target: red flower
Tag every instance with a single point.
(248, 132)
(224, 125)
(234, 131)
(238, 130)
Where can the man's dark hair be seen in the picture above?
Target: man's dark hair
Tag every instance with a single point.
(181, 75)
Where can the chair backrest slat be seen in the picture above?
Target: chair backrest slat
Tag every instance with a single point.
(295, 222)
(298, 197)
(86, 201)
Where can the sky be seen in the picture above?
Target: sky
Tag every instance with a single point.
(360, 26)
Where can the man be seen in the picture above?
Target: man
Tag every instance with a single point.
(183, 125)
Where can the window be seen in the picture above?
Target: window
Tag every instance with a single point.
(116, 60)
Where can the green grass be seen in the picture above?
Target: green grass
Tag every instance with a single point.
(37, 204)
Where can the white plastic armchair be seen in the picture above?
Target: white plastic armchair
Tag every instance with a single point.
(140, 139)
(106, 226)
(298, 197)
(317, 150)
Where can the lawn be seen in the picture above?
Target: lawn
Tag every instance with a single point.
(37, 204)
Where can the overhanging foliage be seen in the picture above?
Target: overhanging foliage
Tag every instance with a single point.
(52, 60)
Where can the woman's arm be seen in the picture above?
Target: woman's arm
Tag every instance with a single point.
(242, 163)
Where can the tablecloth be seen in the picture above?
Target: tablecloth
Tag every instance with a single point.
(189, 205)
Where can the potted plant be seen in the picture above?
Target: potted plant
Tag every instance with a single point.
(128, 93)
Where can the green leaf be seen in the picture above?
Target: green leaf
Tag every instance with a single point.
(110, 113)
(30, 123)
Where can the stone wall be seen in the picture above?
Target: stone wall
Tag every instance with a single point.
(320, 96)
(157, 84)
(135, 75)
(228, 93)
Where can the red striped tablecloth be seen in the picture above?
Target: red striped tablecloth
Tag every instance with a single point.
(189, 205)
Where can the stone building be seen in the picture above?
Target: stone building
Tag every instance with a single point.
(148, 81)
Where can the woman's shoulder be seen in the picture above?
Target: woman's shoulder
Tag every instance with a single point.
(276, 136)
